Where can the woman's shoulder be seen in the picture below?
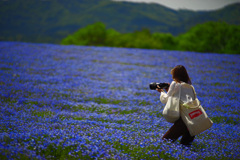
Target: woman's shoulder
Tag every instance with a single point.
(176, 84)
(173, 83)
(185, 84)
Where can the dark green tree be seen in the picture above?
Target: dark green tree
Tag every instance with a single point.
(94, 34)
(216, 37)
(166, 40)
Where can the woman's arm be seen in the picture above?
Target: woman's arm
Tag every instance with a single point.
(164, 96)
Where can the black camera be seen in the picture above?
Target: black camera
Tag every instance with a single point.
(153, 86)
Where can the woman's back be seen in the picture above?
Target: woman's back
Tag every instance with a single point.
(187, 93)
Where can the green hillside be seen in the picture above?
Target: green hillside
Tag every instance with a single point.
(51, 21)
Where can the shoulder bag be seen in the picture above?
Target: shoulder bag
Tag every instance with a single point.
(194, 116)
(171, 111)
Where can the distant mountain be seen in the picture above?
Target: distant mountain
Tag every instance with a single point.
(50, 21)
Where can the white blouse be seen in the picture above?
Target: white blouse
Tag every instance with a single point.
(182, 90)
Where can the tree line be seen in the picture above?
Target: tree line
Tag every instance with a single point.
(210, 37)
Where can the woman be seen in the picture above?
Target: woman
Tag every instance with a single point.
(180, 77)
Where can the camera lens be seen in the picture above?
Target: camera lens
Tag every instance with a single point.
(153, 86)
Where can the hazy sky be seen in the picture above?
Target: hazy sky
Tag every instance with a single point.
(189, 4)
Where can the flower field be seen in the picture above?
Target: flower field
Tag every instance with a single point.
(78, 102)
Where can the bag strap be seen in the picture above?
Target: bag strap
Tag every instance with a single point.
(193, 104)
(179, 96)
(195, 94)
(180, 90)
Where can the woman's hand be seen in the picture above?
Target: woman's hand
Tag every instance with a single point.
(159, 89)
(167, 88)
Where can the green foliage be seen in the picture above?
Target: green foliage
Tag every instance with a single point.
(97, 35)
(166, 39)
(218, 37)
(91, 35)
(137, 39)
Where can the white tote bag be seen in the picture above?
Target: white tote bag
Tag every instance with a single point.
(171, 111)
(195, 117)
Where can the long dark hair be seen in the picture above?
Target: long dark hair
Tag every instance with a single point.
(179, 73)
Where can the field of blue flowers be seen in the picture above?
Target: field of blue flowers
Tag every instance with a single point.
(78, 102)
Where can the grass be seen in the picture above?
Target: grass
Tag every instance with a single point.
(227, 120)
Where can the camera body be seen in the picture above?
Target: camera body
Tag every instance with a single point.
(153, 85)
